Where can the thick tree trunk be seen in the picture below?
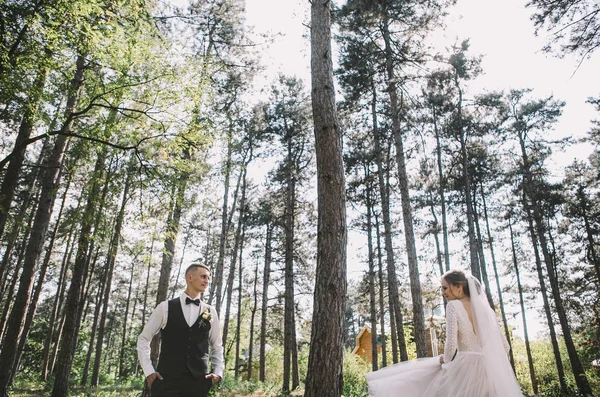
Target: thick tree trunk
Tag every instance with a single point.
(50, 183)
(324, 377)
(265, 301)
(522, 303)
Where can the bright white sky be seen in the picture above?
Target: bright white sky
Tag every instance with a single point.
(499, 30)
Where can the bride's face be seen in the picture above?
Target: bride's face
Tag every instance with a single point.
(449, 291)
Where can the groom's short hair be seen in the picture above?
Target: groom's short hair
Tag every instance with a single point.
(194, 266)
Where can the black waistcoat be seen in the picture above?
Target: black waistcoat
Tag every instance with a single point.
(183, 348)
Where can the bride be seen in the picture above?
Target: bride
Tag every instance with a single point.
(474, 363)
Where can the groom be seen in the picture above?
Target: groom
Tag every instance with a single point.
(190, 336)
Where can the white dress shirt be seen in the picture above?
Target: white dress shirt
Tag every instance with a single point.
(158, 321)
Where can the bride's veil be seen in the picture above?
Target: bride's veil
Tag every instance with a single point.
(497, 366)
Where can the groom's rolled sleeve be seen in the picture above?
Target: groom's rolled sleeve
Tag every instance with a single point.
(216, 345)
(157, 320)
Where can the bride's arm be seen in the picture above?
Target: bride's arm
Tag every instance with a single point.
(451, 344)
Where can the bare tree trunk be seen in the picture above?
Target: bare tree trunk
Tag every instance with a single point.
(534, 207)
(381, 300)
(522, 303)
(496, 275)
(73, 303)
(173, 220)
(232, 266)
(176, 284)
(252, 318)
(125, 321)
(50, 183)
(407, 216)
(7, 302)
(441, 192)
(482, 263)
(90, 350)
(265, 301)
(371, 261)
(217, 284)
(324, 377)
(40, 281)
(290, 344)
(11, 176)
(238, 327)
(584, 204)
(383, 178)
(48, 358)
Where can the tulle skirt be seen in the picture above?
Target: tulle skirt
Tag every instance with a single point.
(465, 376)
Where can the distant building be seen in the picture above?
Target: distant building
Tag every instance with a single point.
(364, 347)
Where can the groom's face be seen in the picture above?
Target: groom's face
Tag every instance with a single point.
(199, 279)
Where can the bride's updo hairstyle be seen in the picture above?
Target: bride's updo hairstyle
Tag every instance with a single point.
(457, 277)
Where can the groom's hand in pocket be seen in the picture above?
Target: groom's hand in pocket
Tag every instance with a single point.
(214, 378)
(152, 377)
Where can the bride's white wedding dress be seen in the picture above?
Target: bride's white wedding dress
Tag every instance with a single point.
(474, 367)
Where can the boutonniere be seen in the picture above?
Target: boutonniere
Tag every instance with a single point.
(206, 315)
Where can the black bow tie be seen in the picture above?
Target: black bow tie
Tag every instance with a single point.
(190, 300)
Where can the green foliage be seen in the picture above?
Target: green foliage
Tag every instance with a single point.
(354, 371)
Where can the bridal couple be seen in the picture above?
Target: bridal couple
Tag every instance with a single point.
(474, 363)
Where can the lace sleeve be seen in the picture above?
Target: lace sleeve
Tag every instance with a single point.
(451, 332)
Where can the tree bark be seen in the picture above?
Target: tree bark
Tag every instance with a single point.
(173, 220)
(50, 184)
(384, 191)
(381, 289)
(371, 261)
(534, 207)
(407, 216)
(496, 275)
(265, 301)
(441, 192)
(110, 268)
(252, 318)
(324, 377)
(217, 284)
(522, 303)
(68, 343)
(11, 176)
